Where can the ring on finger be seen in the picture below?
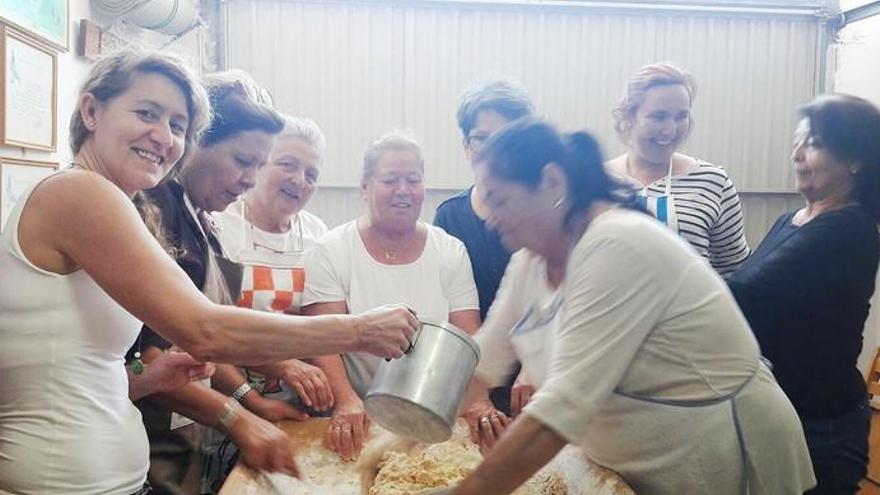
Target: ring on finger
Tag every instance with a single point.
(485, 419)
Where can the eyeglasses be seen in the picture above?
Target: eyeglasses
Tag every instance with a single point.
(475, 142)
(298, 242)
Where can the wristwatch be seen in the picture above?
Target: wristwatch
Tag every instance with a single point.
(241, 391)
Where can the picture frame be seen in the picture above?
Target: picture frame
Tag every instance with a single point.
(28, 92)
(48, 20)
(17, 175)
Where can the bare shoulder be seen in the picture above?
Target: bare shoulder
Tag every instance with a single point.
(66, 206)
(71, 191)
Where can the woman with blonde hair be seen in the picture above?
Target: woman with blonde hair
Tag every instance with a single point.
(694, 198)
(386, 255)
(81, 272)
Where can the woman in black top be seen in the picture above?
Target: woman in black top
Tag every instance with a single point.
(806, 290)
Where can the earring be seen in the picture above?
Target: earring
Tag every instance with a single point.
(559, 202)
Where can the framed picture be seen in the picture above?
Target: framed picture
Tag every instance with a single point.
(47, 19)
(17, 175)
(28, 89)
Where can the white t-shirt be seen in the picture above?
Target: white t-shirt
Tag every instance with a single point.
(520, 323)
(439, 282)
(273, 276)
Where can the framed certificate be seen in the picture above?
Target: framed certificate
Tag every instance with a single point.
(17, 175)
(28, 91)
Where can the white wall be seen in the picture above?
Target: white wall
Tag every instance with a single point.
(858, 73)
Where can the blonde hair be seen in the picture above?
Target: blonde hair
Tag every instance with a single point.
(393, 141)
(648, 77)
(114, 74)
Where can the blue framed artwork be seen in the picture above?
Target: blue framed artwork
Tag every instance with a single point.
(47, 19)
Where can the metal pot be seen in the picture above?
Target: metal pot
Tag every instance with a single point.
(418, 395)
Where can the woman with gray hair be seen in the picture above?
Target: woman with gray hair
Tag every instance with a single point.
(268, 233)
(385, 256)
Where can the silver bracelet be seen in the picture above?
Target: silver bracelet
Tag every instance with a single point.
(229, 414)
(241, 391)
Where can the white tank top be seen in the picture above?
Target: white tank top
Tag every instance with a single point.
(66, 423)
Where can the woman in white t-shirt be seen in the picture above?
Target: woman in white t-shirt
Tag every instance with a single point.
(386, 256)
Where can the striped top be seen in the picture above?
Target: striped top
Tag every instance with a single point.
(709, 215)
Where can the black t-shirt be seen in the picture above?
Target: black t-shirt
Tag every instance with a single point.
(488, 256)
(806, 293)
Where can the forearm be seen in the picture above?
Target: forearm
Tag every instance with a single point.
(524, 449)
(195, 401)
(227, 334)
(139, 385)
(226, 379)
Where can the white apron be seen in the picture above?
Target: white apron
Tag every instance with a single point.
(742, 443)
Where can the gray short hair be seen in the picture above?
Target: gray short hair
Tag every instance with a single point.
(307, 130)
(507, 98)
(393, 141)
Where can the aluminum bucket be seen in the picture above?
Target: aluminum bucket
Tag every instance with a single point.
(418, 395)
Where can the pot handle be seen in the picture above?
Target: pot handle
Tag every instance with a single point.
(415, 339)
(412, 343)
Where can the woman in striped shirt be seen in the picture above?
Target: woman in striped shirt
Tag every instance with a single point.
(693, 197)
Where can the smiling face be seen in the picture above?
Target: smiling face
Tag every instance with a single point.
(819, 174)
(138, 136)
(395, 189)
(217, 175)
(660, 124)
(524, 217)
(290, 178)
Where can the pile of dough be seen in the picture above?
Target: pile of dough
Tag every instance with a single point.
(439, 465)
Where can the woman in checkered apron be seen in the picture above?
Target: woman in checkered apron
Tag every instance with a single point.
(267, 233)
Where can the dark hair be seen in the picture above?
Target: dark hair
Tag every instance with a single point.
(519, 151)
(508, 99)
(849, 128)
(238, 105)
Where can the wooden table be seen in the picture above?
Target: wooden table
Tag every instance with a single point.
(243, 480)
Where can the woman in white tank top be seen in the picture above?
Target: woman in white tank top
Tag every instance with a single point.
(81, 272)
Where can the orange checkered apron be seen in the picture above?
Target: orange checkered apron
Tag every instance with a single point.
(271, 281)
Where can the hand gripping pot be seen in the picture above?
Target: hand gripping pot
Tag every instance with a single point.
(418, 395)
